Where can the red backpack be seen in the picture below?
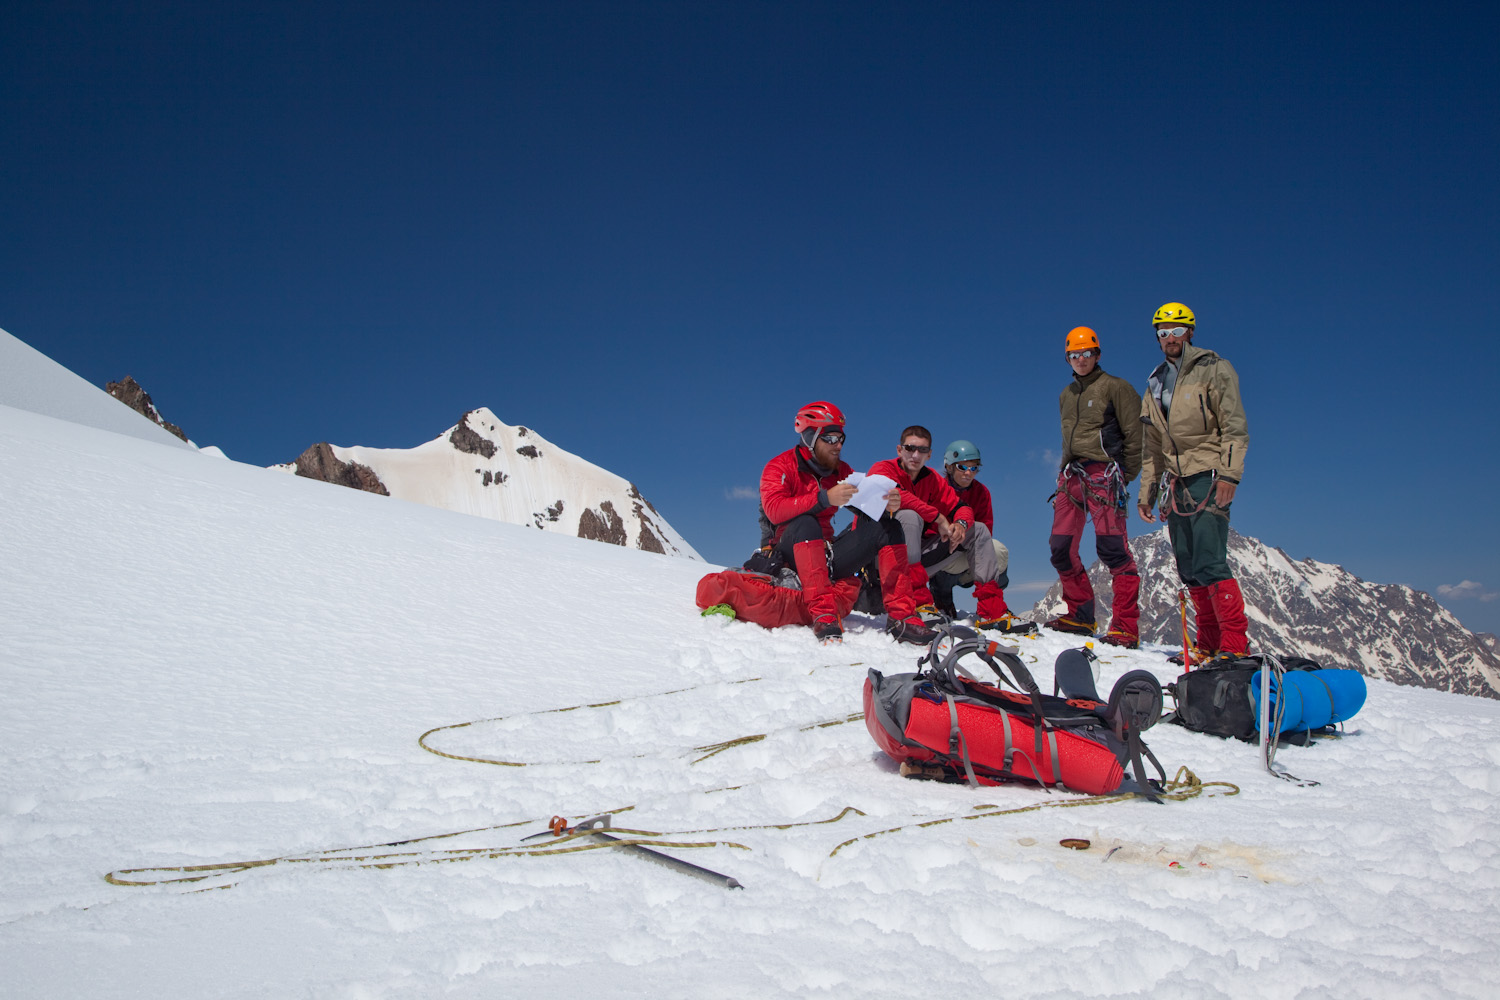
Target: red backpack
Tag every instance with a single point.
(976, 731)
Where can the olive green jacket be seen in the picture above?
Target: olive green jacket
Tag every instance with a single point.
(1202, 430)
(1101, 422)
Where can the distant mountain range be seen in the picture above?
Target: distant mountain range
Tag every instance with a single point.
(1317, 610)
(484, 467)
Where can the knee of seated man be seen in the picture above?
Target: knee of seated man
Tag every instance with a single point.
(911, 523)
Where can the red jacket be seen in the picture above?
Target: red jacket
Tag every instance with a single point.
(930, 495)
(977, 496)
(790, 488)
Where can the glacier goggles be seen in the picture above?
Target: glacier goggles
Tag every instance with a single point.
(1080, 355)
(967, 466)
(832, 437)
(1173, 331)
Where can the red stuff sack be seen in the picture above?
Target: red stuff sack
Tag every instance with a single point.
(755, 598)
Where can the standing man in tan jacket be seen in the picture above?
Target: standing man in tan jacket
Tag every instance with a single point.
(1196, 439)
(1101, 454)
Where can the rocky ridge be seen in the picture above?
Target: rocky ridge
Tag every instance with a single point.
(129, 392)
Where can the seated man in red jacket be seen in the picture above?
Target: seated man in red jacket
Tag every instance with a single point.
(945, 570)
(929, 503)
(800, 490)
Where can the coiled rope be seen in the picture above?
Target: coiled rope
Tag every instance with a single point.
(1185, 785)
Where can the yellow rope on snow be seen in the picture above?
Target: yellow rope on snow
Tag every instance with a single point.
(1185, 785)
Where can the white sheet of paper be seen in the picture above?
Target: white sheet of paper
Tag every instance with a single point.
(870, 496)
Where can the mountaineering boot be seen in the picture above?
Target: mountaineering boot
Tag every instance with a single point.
(941, 586)
(1229, 610)
(1119, 637)
(994, 614)
(1207, 640)
(1125, 612)
(895, 583)
(902, 621)
(811, 560)
(1008, 624)
(1062, 623)
(930, 614)
(919, 589)
(828, 631)
(910, 630)
(1078, 594)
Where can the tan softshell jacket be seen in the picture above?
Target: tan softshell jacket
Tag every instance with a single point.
(1204, 429)
(1101, 422)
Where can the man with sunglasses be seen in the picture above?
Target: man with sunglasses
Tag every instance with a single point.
(936, 521)
(946, 570)
(1101, 454)
(800, 491)
(1196, 437)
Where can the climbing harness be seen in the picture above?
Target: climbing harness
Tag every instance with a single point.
(1110, 491)
(1170, 500)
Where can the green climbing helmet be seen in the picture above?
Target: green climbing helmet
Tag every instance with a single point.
(960, 451)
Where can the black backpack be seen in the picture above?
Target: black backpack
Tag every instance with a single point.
(1216, 698)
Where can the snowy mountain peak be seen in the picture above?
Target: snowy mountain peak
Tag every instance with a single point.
(488, 468)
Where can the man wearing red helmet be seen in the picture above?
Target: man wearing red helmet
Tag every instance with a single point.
(1101, 454)
(800, 491)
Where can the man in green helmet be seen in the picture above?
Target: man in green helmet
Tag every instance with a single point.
(982, 564)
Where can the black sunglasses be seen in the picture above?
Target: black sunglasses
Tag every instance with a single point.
(832, 437)
(917, 449)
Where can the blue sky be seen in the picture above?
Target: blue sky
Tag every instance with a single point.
(652, 230)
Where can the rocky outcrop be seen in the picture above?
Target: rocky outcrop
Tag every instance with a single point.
(648, 540)
(603, 525)
(548, 516)
(319, 462)
(1317, 610)
(129, 392)
(468, 440)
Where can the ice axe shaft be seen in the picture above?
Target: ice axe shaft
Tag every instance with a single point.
(594, 829)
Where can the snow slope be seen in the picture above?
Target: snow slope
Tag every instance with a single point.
(205, 662)
(29, 380)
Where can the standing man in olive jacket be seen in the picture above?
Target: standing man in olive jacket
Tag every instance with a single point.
(1196, 438)
(1101, 454)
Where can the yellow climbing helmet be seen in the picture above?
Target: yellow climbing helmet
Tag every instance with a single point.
(1174, 312)
(1081, 338)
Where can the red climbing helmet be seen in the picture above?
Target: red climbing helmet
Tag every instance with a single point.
(818, 416)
